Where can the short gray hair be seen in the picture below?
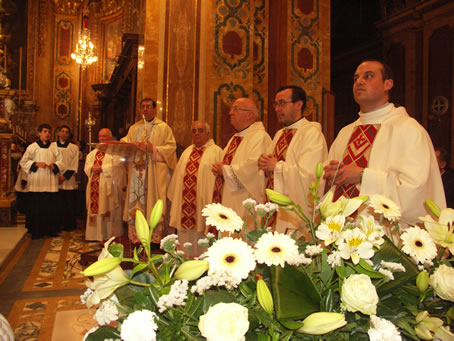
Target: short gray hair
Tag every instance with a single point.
(207, 126)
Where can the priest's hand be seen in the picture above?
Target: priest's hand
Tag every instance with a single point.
(216, 169)
(61, 179)
(96, 169)
(267, 162)
(144, 146)
(342, 174)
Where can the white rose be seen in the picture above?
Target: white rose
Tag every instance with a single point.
(359, 294)
(442, 281)
(225, 321)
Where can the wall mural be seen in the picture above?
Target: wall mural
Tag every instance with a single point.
(305, 40)
(112, 41)
(232, 62)
(63, 96)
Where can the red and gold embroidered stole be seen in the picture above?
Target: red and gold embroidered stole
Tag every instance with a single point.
(94, 186)
(219, 182)
(357, 152)
(188, 218)
(280, 151)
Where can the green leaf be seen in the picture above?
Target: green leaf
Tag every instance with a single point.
(391, 253)
(102, 333)
(138, 268)
(142, 277)
(291, 324)
(196, 308)
(215, 297)
(327, 302)
(366, 266)
(254, 235)
(340, 270)
(359, 269)
(143, 301)
(116, 250)
(295, 295)
(326, 270)
(125, 296)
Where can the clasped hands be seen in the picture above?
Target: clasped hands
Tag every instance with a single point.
(267, 162)
(44, 165)
(341, 173)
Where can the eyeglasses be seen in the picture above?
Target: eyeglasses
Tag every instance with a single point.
(235, 108)
(281, 104)
(147, 106)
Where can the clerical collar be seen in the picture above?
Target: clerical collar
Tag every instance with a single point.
(295, 124)
(41, 144)
(377, 115)
(149, 121)
(63, 144)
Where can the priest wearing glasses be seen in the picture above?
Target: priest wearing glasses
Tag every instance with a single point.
(237, 175)
(291, 160)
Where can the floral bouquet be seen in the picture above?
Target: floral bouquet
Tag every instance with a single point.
(359, 277)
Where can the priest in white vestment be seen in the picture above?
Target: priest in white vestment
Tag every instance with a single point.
(150, 171)
(385, 151)
(191, 188)
(292, 159)
(105, 192)
(238, 176)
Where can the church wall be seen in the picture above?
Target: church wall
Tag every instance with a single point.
(199, 56)
(426, 36)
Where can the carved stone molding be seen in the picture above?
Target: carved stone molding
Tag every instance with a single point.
(43, 11)
(67, 7)
(109, 7)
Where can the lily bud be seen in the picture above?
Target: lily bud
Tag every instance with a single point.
(156, 214)
(142, 229)
(102, 266)
(433, 207)
(191, 269)
(444, 334)
(422, 281)
(426, 325)
(264, 296)
(278, 198)
(322, 322)
(319, 170)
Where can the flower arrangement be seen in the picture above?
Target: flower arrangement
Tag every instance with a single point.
(360, 277)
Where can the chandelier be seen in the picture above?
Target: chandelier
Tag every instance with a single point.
(84, 54)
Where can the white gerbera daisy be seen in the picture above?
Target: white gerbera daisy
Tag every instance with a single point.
(329, 231)
(372, 230)
(275, 249)
(385, 206)
(355, 246)
(232, 255)
(418, 244)
(223, 218)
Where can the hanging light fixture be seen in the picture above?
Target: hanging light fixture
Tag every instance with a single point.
(84, 54)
